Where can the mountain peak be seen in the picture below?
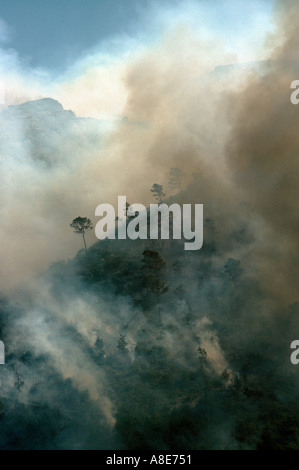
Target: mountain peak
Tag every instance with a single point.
(41, 105)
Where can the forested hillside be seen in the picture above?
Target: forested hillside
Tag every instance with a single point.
(142, 345)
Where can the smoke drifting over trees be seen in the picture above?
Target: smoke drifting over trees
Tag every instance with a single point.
(141, 344)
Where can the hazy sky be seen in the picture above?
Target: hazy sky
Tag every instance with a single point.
(53, 34)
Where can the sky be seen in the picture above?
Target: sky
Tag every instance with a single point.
(79, 54)
(54, 34)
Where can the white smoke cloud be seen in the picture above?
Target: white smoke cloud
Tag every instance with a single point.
(172, 105)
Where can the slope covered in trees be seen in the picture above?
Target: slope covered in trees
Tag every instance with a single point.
(141, 345)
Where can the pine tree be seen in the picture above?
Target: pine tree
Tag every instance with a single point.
(81, 225)
(157, 190)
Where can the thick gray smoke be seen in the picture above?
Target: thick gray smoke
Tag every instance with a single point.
(204, 361)
(55, 166)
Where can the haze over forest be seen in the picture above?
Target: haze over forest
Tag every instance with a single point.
(141, 344)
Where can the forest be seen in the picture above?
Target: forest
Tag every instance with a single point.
(138, 344)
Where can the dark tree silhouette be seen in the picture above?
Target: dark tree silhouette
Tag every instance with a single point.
(157, 190)
(122, 344)
(81, 225)
(202, 354)
(153, 265)
(18, 382)
(175, 179)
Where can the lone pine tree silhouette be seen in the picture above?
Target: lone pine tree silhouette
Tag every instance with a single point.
(158, 193)
(81, 225)
(175, 179)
